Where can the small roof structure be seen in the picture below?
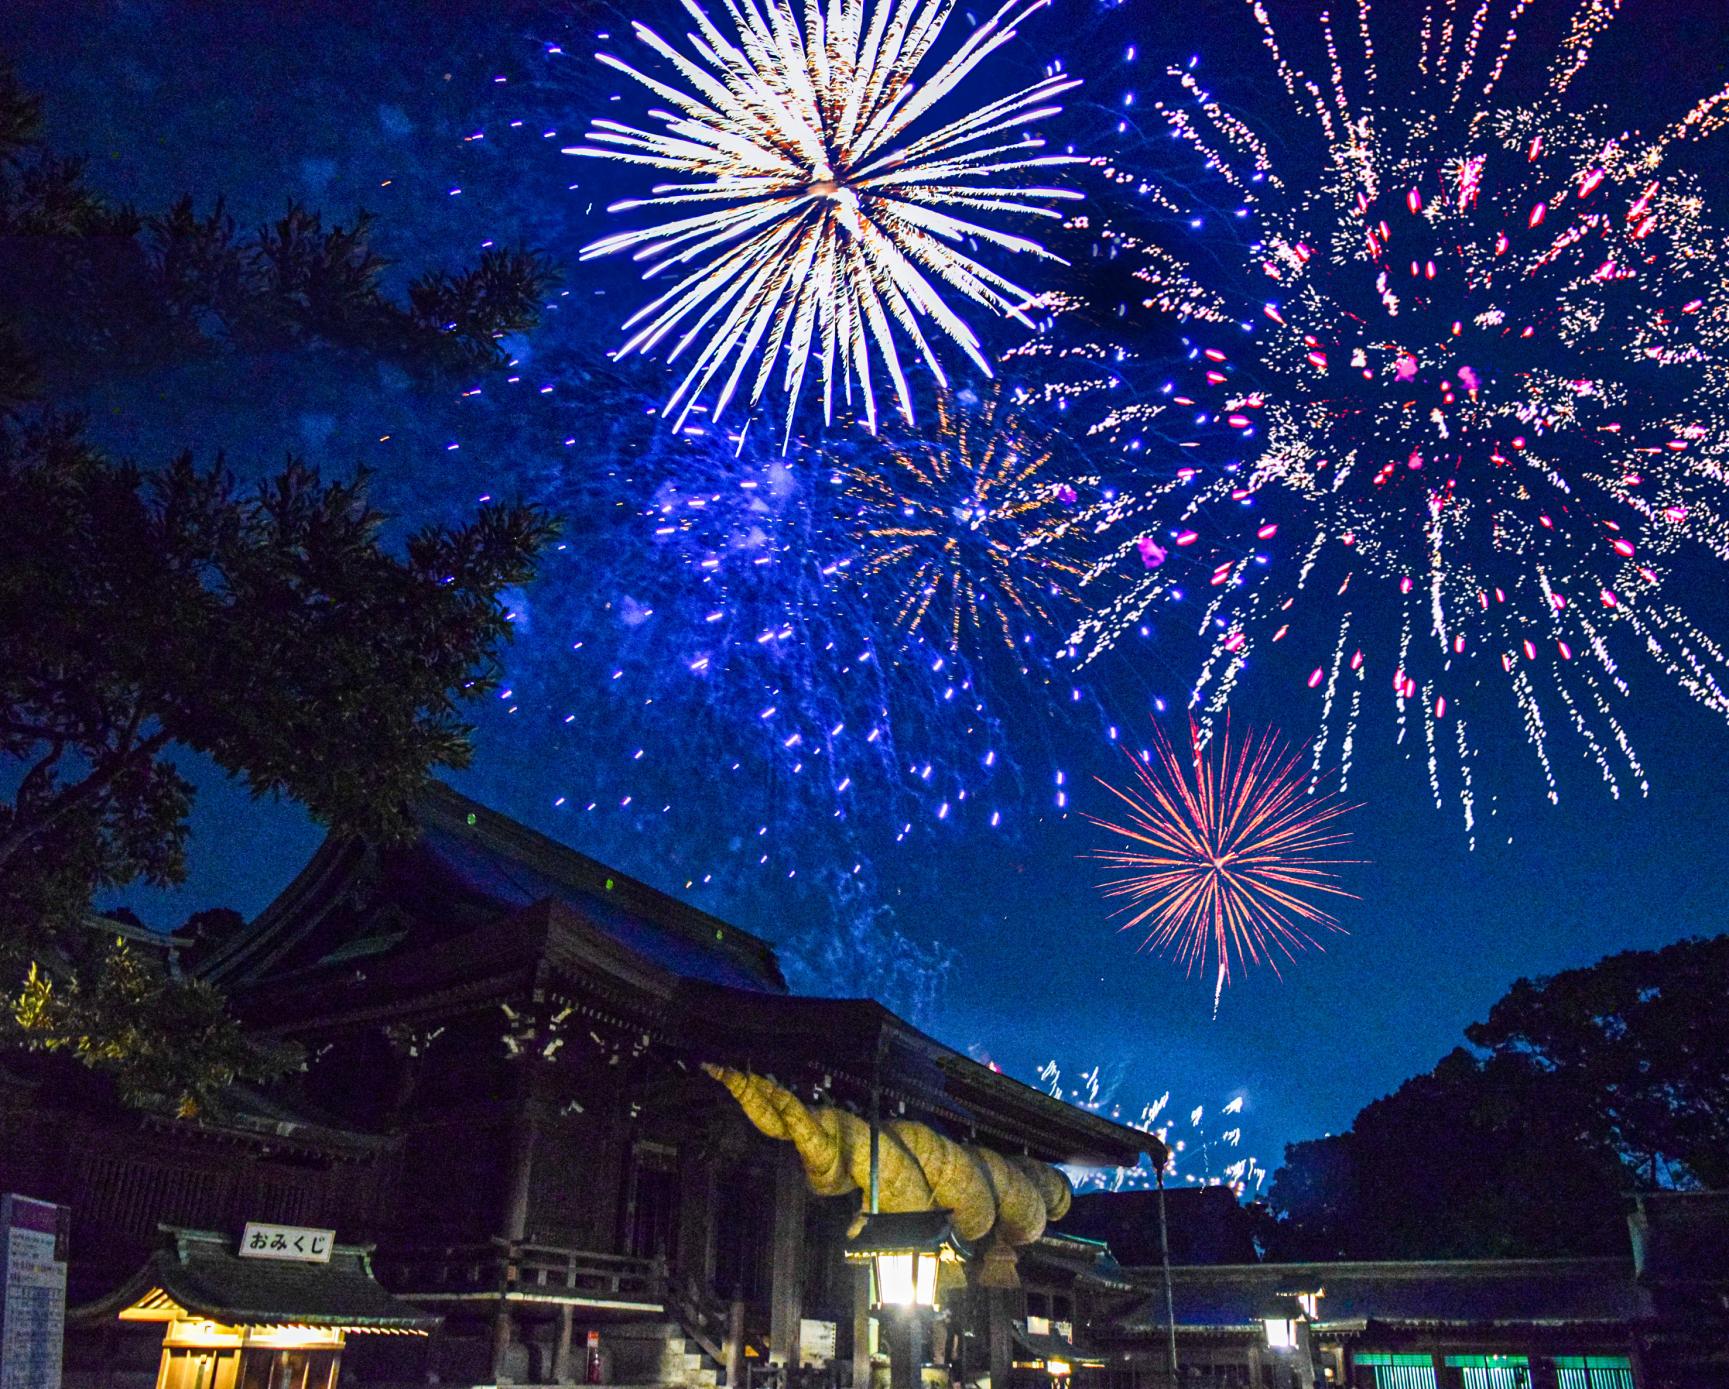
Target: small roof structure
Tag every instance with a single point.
(1044, 1345)
(1416, 1294)
(198, 1274)
(1062, 1254)
(917, 1232)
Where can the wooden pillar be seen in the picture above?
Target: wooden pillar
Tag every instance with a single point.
(861, 1326)
(997, 1305)
(906, 1359)
(735, 1344)
(694, 1250)
(513, 1218)
(562, 1371)
(1303, 1357)
(787, 1256)
(1636, 1357)
(524, 1138)
(503, 1329)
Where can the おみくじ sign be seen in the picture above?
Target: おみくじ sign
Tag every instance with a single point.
(293, 1242)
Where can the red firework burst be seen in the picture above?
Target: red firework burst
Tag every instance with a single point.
(1226, 851)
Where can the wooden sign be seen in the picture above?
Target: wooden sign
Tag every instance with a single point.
(295, 1243)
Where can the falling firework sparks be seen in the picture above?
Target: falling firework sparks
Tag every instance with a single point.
(1227, 847)
(1095, 1090)
(1471, 362)
(808, 215)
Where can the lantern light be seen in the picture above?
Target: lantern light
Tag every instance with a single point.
(906, 1250)
(1284, 1313)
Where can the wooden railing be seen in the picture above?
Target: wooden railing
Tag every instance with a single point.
(514, 1266)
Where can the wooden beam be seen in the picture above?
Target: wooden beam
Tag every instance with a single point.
(997, 1304)
(735, 1375)
(786, 1254)
(861, 1326)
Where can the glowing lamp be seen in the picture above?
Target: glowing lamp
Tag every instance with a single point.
(905, 1251)
(1280, 1315)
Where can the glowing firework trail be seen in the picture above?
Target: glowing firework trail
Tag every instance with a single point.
(808, 216)
(1227, 845)
(975, 526)
(1096, 1091)
(1475, 372)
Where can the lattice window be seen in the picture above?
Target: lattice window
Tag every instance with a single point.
(1393, 1371)
(1593, 1372)
(1492, 1371)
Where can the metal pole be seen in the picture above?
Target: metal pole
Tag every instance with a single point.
(1165, 1265)
(876, 1117)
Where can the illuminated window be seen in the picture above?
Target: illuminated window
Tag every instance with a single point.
(1593, 1372)
(907, 1279)
(1492, 1371)
(1400, 1371)
(198, 1368)
(290, 1369)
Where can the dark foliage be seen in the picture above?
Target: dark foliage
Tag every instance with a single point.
(145, 612)
(1583, 1086)
(1477, 1159)
(97, 287)
(1643, 1039)
(270, 630)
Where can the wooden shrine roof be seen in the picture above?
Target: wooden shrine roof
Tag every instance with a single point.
(355, 904)
(482, 911)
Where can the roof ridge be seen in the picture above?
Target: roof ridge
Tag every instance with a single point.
(450, 809)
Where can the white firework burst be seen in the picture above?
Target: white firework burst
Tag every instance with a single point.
(810, 217)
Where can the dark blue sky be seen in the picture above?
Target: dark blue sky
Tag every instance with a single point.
(261, 103)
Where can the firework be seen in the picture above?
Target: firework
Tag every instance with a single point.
(1095, 1090)
(974, 527)
(1228, 846)
(711, 626)
(1469, 365)
(740, 704)
(810, 217)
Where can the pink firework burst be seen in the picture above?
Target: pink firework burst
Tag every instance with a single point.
(1228, 852)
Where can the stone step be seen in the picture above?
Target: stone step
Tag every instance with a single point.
(647, 1354)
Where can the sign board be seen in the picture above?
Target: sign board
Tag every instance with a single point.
(815, 1341)
(293, 1242)
(32, 1292)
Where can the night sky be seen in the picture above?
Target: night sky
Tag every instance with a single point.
(264, 103)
